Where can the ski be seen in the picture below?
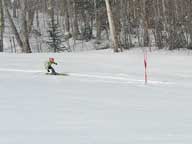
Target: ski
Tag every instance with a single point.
(58, 74)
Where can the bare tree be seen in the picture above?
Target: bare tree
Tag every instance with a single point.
(115, 42)
(13, 27)
(24, 28)
(1, 25)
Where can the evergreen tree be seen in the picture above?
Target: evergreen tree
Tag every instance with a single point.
(56, 38)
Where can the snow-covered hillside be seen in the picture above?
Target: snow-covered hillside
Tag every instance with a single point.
(103, 100)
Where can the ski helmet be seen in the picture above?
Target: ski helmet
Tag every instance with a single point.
(51, 59)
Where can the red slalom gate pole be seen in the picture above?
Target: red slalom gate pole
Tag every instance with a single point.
(145, 65)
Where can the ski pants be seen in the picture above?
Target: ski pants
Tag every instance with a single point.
(52, 70)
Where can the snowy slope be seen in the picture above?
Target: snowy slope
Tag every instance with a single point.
(103, 101)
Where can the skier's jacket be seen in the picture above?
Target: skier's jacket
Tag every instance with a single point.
(48, 64)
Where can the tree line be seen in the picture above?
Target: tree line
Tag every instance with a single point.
(159, 23)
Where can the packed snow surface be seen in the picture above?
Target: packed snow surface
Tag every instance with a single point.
(104, 100)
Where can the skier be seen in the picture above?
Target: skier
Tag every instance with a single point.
(48, 66)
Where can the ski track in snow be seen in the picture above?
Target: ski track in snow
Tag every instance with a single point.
(101, 77)
(117, 78)
(20, 70)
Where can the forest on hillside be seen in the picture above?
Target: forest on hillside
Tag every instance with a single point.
(57, 25)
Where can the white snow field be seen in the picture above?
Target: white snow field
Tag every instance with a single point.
(103, 100)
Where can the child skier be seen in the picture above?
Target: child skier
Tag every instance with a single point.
(48, 66)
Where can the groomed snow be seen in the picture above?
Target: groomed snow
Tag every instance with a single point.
(103, 100)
